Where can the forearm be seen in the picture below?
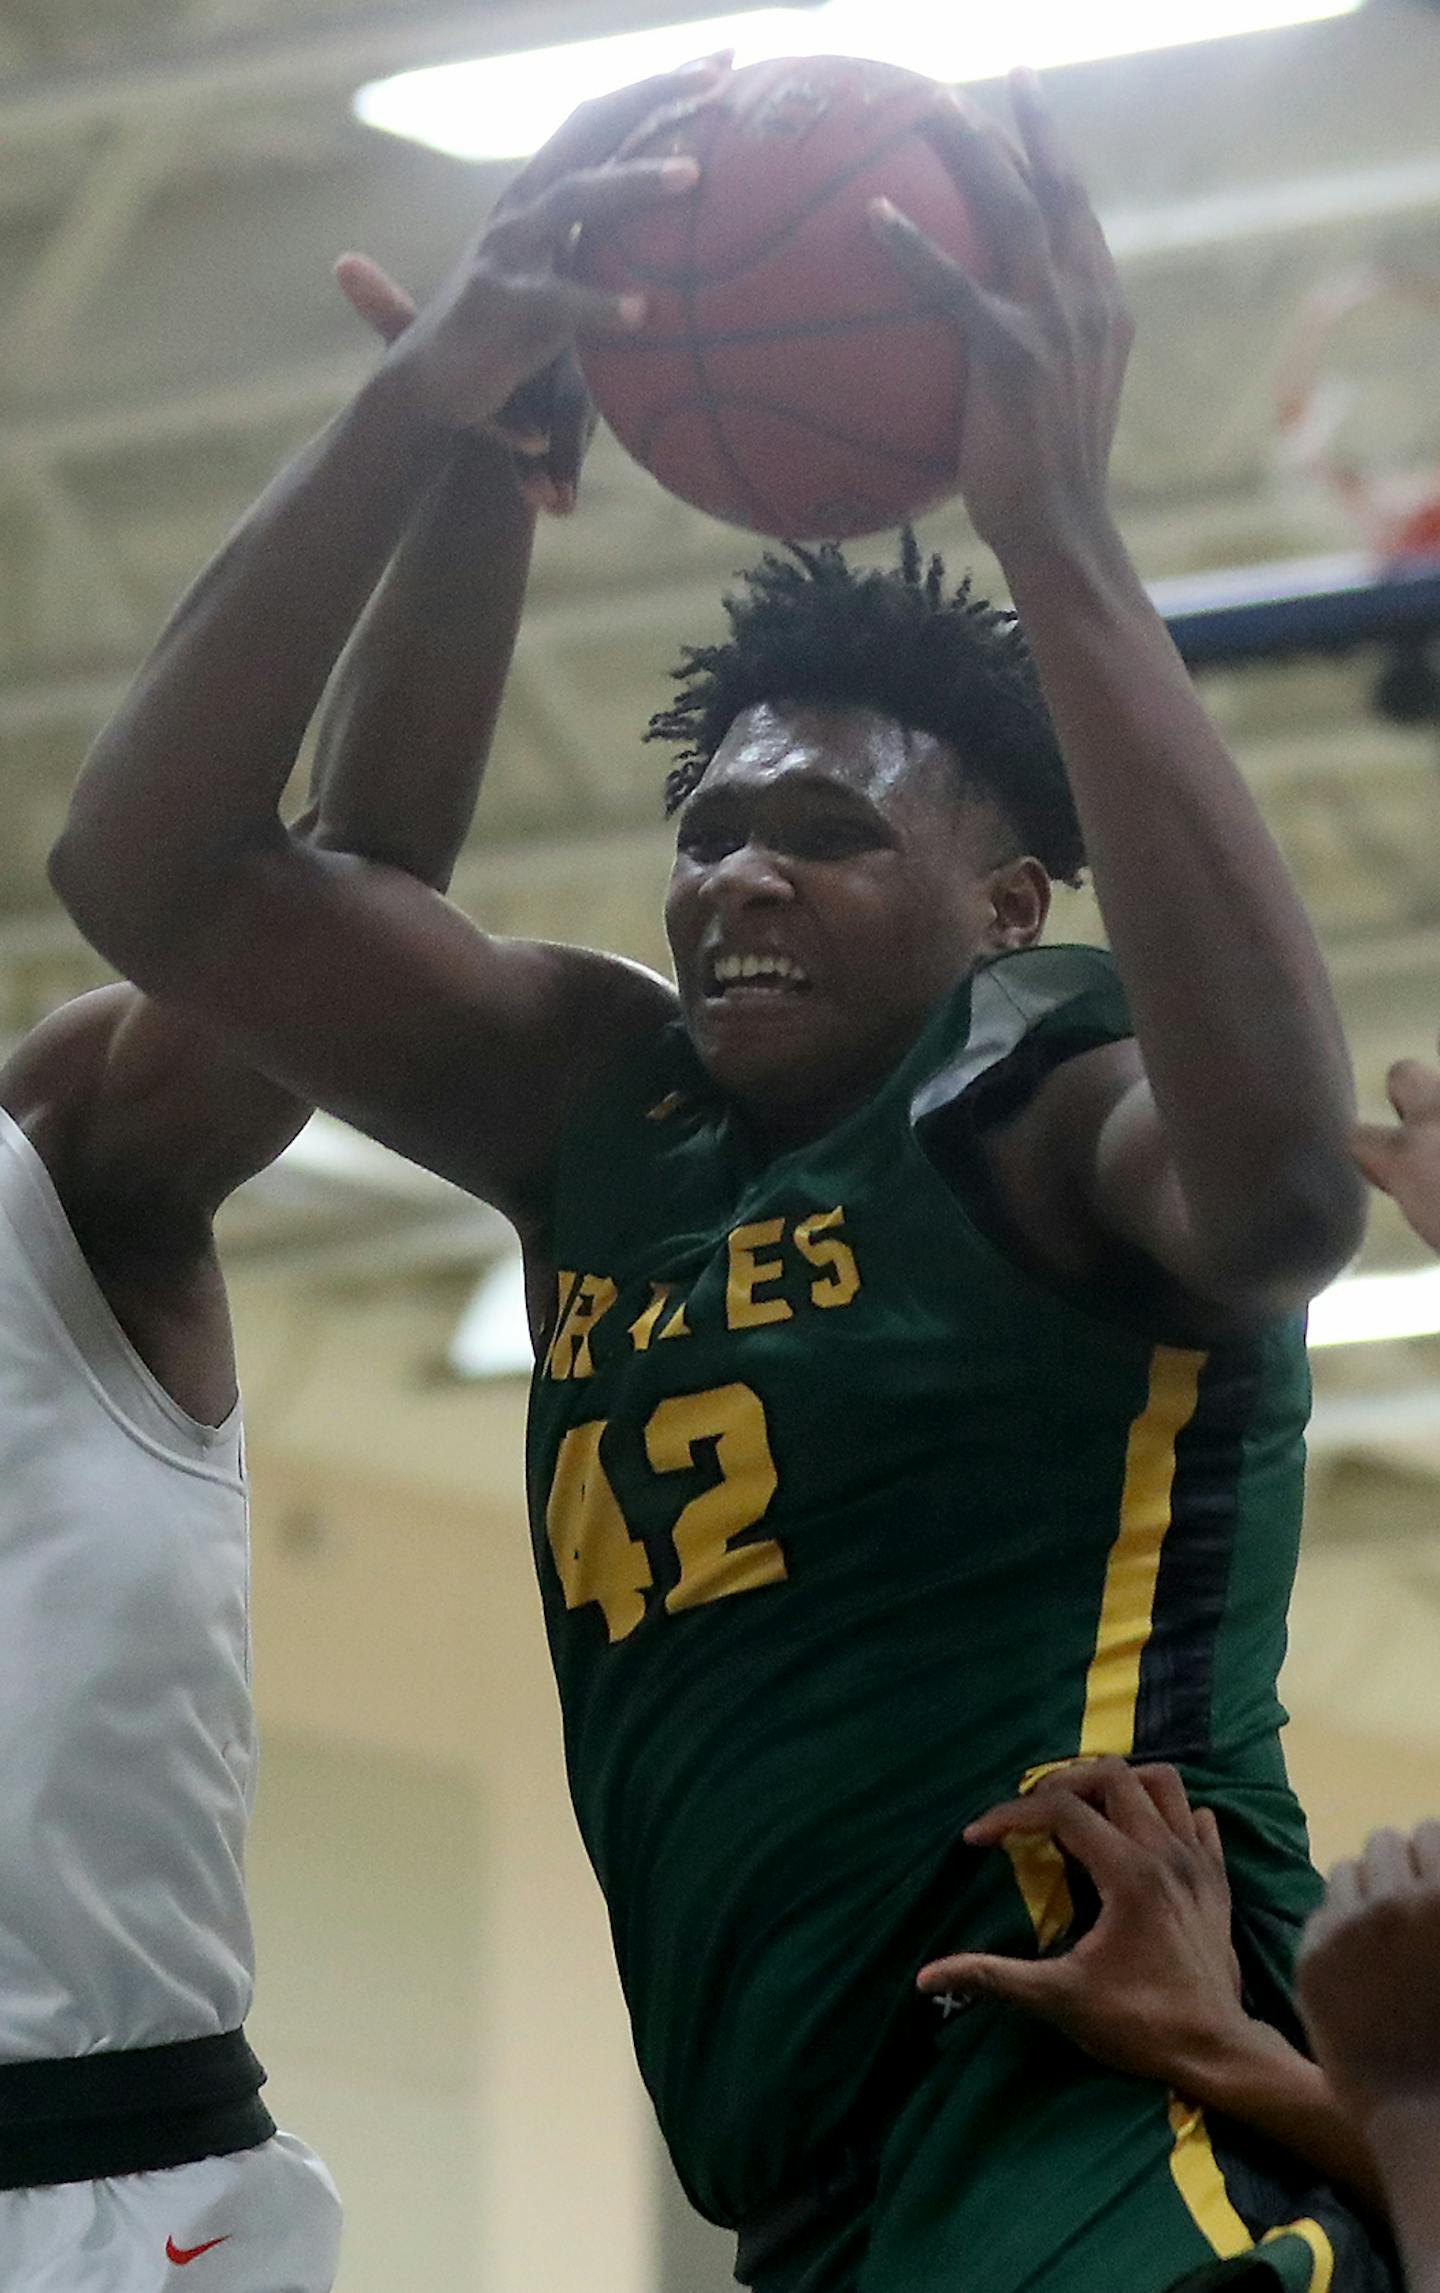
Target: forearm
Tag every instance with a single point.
(192, 767)
(407, 727)
(1265, 2084)
(1234, 1015)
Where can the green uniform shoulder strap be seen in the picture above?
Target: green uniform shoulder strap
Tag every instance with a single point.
(1028, 1014)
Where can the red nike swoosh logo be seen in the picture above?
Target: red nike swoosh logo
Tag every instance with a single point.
(181, 2254)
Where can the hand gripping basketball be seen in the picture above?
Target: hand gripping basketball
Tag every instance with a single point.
(789, 378)
(1048, 333)
(510, 312)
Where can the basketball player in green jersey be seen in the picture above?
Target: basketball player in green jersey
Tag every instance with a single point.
(920, 1378)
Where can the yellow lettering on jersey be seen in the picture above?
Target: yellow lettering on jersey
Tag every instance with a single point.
(748, 1273)
(642, 1329)
(591, 1299)
(565, 1282)
(711, 1565)
(596, 1558)
(843, 1277)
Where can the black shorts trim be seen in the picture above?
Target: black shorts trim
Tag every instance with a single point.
(134, 2111)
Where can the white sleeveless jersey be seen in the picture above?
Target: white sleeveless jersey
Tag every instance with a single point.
(127, 1740)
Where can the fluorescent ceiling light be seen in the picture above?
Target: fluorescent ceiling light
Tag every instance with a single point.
(1362, 1309)
(502, 107)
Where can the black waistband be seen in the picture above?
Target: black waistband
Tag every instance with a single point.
(132, 2112)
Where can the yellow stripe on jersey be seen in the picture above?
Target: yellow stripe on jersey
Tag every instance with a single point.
(1112, 1691)
(1322, 2252)
(1201, 2184)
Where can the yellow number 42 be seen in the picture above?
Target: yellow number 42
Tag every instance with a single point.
(598, 1560)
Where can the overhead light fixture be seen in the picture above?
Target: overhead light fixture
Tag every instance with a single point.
(503, 107)
(1365, 1309)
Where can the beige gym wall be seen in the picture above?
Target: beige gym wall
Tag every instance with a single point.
(438, 2008)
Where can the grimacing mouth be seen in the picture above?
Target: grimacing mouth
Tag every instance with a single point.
(731, 972)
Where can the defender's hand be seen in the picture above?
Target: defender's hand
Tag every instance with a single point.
(1154, 1987)
(548, 441)
(1405, 1162)
(1048, 341)
(549, 419)
(1369, 1975)
(552, 419)
(510, 310)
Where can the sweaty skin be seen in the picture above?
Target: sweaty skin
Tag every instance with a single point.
(831, 837)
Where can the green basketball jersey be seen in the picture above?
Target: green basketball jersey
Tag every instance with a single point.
(846, 1524)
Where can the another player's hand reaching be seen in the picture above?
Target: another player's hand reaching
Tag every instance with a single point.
(1153, 1987)
(1369, 1985)
(1048, 339)
(1404, 1161)
(494, 348)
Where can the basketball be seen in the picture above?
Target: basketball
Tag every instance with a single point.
(789, 378)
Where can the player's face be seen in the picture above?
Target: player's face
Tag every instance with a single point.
(828, 888)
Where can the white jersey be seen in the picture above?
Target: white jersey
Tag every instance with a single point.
(127, 1737)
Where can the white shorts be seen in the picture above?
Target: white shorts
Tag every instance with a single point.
(259, 2221)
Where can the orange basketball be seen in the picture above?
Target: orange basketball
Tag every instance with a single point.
(789, 377)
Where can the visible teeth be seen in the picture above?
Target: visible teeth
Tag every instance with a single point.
(732, 967)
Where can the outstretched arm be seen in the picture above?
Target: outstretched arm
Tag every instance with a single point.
(146, 1116)
(407, 729)
(1153, 1988)
(1369, 1981)
(1223, 1149)
(344, 978)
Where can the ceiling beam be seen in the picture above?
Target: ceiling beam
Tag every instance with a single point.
(332, 51)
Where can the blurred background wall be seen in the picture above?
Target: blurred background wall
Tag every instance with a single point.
(437, 2003)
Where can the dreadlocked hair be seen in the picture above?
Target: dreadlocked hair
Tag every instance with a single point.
(810, 627)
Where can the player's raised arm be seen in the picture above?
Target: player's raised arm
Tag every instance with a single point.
(1222, 1148)
(146, 1116)
(345, 978)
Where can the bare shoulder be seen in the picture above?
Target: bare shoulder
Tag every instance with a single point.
(632, 1001)
(1042, 1158)
(1086, 1172)
(144, 1118)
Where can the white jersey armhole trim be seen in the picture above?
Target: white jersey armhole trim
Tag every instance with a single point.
(113, 1369)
